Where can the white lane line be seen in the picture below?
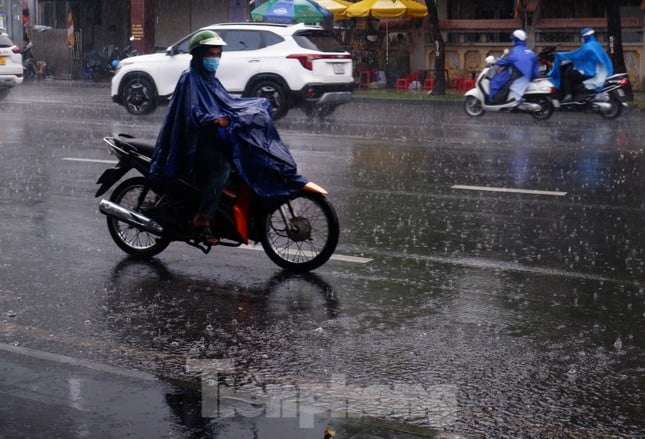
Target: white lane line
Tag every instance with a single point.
(77, 159)
(335, 257)
(508, 190)
(343, 258)
(71, 361)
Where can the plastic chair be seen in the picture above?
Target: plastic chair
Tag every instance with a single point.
(364, 78)
(402, 83)
(467, 84)
(428, 84)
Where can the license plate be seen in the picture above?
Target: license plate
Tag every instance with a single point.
(339, 69)
(2, 60)
(621, 92)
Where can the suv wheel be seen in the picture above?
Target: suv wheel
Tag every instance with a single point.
(275, 93)
(138, 95)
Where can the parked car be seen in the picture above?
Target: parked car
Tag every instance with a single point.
(292, 65)
(10, 65)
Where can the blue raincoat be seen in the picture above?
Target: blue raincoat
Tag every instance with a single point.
(259, 155)
(525, 61)
(590, 59)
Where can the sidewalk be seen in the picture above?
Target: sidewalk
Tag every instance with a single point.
(452, 95)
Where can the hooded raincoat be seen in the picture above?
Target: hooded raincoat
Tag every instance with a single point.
(261, 158)
(525, 61)
(590, 59)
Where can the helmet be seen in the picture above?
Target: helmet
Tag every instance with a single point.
(586, 34)
(205, 38)
(518, 35)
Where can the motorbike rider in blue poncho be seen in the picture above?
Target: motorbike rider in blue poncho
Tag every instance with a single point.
(206, 130)
(522, 67)
(591, 66)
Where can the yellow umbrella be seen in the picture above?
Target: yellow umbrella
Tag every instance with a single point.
(387, 9)
(336, 7)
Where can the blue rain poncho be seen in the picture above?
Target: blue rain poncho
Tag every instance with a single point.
(590, 59)
(262, 160)
(525, 61)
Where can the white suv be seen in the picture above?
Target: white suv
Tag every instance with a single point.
(10, 65)
(292, 65)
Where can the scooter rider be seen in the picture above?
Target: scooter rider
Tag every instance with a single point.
(523, 66)
(591, 66)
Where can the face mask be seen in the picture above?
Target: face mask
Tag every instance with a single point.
(210, 64)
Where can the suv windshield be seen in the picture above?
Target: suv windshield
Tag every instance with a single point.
(316, 40)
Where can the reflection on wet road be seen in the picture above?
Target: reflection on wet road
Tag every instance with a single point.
(511, 308)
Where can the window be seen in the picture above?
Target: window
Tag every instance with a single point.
(321, 41)
(242, 40)
(54, 13)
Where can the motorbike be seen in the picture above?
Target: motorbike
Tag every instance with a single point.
(28, 62)
(129, 50)
(298, 234)
(101, 64)
(608, 101)
(545, 60)
(537, 100)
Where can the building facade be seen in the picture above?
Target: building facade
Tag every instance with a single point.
(472, 29)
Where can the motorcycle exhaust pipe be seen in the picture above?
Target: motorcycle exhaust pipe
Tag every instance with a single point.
(130, 217)
(602, 106)
(529, 106)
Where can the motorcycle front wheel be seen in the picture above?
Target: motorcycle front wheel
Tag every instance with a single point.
(130, 239)
(473, 106)
(301, 234)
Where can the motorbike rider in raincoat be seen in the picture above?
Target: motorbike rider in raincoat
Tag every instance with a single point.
(591, 66)
(206, 130)
(522, 68)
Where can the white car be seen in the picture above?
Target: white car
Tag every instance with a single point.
(291, 65)
(10, 65)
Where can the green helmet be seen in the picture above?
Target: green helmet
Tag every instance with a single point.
(205, 38)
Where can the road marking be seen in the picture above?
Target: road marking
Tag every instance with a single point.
(71, 361)
(77, 159)
(335, 257)
(343, 258)
(508, 190)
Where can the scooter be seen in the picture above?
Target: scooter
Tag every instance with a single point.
(298, 234)
(129, 50)
(537, 99)
(608, 101)
(101, 64)
(545, 60)
(28, 63)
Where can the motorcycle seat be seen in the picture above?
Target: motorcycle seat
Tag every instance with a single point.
(143, 146)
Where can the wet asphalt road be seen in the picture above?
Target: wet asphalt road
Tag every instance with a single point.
(488, 284)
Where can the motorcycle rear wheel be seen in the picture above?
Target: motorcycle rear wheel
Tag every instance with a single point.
(130, 239)
(547, 108)
(473, 106)
(301, 234)
(615, 110)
